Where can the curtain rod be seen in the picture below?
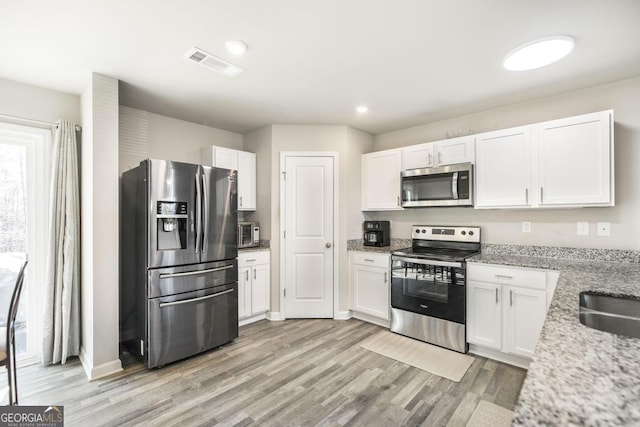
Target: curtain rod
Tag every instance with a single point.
(30, 122)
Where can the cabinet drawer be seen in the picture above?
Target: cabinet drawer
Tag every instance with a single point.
(247, 259)
(371, 259)
(536, 279)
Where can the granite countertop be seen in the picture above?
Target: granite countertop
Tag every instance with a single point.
(264, 246)
(579, 375)
(358, 245)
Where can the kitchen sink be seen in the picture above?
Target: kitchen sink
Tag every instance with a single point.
(618, 315)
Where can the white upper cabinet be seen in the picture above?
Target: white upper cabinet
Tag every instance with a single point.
(575, 161)
(381, 180)
(455, 150)
(418, 156)
(439, 153)
(242, 161)
(560, 163)
(246, 181)
(503, 168)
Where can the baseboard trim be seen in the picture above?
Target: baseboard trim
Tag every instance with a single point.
(275, 316)
(342, 315)
(511, 359)
(100, 371)
(371, 319)
(252, 319)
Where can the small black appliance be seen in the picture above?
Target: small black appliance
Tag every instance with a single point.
(376, 233)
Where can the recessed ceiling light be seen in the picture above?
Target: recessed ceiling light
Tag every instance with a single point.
(538, 53)
(236, 47)
(362, 109)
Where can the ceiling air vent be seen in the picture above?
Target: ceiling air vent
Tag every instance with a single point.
(213, 62)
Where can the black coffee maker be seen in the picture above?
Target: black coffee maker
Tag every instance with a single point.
(376, 233)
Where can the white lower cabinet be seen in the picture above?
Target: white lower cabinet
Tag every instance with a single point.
(253, 285)
(370, 286)
(506, 307)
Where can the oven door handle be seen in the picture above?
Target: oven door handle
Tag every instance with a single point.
(426, 261)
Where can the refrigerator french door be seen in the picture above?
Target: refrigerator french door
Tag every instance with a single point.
(178, 248)
(191, 216)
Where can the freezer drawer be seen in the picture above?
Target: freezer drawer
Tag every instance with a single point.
(183, 325)
(176, 280)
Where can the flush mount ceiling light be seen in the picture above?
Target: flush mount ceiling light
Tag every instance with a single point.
(538, 53)
(212, 62)
(362, 109)
(236, 47)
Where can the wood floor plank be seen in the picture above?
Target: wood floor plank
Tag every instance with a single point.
(295, 372)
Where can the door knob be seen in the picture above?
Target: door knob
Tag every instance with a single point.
(327, 245)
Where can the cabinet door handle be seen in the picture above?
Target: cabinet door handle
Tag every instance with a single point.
(430, 161)
(398, 200)
(502, 276)
(439, 157)
(240, 201)
(526, 196)
(510, 297)
(254, 273)
(541, 193)
(385, 277)
(368, 260)
(496, 295)
(246, 275)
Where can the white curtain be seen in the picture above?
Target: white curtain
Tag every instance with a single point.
(61, 337)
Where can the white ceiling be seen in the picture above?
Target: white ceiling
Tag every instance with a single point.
(312, 62)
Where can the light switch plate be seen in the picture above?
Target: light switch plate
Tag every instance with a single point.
(583, 228)
(526, 226)
(604, 229)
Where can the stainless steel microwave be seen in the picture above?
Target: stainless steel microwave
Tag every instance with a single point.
(442, 186)
(248, 234)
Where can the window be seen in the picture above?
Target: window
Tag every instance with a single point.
(24, 205)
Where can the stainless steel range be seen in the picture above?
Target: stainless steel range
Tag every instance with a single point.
(428, 285)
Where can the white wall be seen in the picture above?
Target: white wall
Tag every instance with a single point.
(349, 144)
(556, 227)
(147, 135)
(259, 142)
(36, 103)
(99, 227)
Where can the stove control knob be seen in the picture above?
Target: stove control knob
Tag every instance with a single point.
(417, 230)
(464, 232)
(470, 233)
(424, 231)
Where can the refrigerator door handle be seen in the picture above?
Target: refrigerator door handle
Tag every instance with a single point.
(205, 202)
(193, 273)
(198, 212)
(186, 301)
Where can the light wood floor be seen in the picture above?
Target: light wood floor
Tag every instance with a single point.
(297, 372)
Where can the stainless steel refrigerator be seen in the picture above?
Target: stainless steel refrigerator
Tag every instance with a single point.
(178, 260)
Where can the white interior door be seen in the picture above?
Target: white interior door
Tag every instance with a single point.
(309, 233)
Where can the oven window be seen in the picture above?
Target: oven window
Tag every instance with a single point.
(430, 282)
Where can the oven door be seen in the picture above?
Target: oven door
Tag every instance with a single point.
(431, 288)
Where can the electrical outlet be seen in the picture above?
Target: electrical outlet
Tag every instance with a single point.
(583, 228)
(604, 229)
(526, 226)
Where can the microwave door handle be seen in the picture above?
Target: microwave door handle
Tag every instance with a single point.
(454, 186)
(198, 212)
(205, 202)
